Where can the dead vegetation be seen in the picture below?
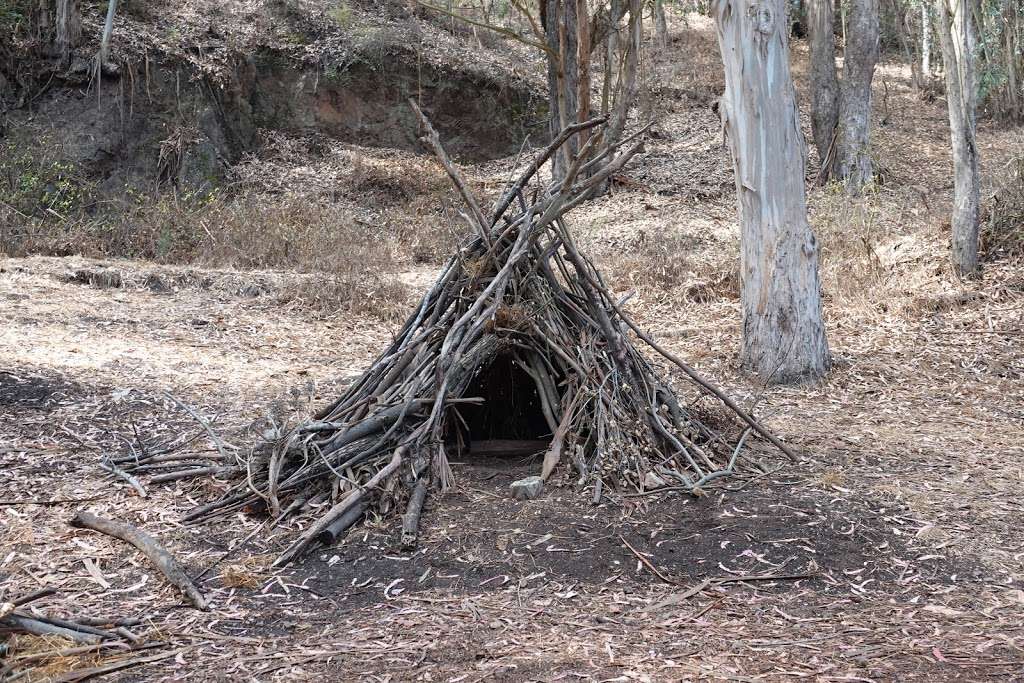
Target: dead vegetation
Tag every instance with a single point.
(1002, 232)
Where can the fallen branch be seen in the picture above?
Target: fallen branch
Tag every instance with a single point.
(108, 466)
(647, 563)
(20, 622)
(85, 674)
(149, 547)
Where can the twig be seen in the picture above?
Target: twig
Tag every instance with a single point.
(36, 595)
(85, 674)
(20, 622)
(121, 474)
(209, 430)
(53, 501)
(647, 563)
(153, 551)
(434, 140)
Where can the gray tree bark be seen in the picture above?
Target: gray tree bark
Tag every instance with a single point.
(660, 24)
(108, 30)
(69, 27)
(926, 40)
(957, 39)
(853, 136)
(783, 331)
(824, 83)
(567, 30)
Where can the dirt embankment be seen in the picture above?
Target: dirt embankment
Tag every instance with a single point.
(191, 90)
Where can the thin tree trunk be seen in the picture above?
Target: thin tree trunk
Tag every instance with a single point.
(566, 79)
(853, 138)
(583, 67)
(824, 83)
(626, 85)
(783, 331)
(956, 37)
(108, 30)
(926, 40)
(660, 24)
(69, 27)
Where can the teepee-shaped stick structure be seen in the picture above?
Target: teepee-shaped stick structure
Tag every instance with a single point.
(518, 337)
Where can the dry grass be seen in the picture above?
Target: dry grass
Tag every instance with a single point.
(44, 653)
(364, 294)
(249, 572)
(1003, 223)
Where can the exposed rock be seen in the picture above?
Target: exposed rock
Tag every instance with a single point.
(653, 481)
(527, 489)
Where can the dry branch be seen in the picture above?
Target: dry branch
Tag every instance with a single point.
(149, 547)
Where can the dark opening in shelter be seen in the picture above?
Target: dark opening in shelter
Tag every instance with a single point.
(510, 422)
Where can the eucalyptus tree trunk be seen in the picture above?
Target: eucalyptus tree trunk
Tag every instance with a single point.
(853, 135)
(660, 24)
(567, 31)
(108, 30)
(956, 37)
(625, 64)
(824, 83)
(68, 27)
(926, 40)
(783, 331)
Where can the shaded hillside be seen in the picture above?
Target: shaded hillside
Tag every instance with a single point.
(193, 88)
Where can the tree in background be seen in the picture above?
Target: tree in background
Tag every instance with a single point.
(569, 33)
(783, 331)
(841, 111)
(68, 24)
(824, 82)
(566, 26)
(958, 42)
(853, 134)
(1000, 53)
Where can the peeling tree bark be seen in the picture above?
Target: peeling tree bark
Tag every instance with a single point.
(853, 137)
(783, 331)
(824, 83)
(956, 36)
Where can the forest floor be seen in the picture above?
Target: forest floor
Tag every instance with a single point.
(898, 533)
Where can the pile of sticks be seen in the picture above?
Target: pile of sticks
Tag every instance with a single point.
(17, 617)
(518, 287)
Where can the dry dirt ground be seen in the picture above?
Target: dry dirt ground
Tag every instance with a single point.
(897, 536)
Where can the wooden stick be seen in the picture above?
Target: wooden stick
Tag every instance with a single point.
(121, 474)
(85, 674)
(411, 518)
(337, 511)
(647, 563)
(35, 595)
(149, 546)
(19, 622)
(205, 425)
(434, 140)
(338, 527)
